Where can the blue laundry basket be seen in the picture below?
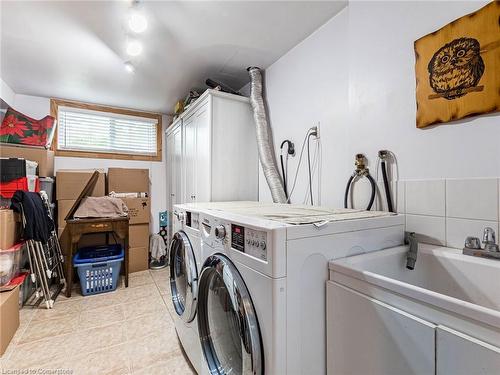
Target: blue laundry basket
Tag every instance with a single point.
(99, 268)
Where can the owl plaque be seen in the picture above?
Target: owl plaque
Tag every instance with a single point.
(458, 68)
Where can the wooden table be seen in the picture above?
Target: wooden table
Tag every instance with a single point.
(79, 227)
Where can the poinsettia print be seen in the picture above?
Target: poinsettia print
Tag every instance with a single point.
(21, 129)
(12, 126)
(34, 140)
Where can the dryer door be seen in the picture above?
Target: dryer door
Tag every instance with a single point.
(183, 276)
(227, 322)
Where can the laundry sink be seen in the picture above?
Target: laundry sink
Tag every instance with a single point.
(443, 277)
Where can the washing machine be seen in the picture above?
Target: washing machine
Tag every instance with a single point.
(261, 293)
(185, 265)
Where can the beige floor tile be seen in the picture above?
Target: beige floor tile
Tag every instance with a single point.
(149, 350)
(149, 324)
(38, 353)
(60, 310)
(103, 300)
(100, 316)
(139, 279)
(40, 329)
(174, 363)
(97, 338)
(143, 306)
(131, 294)
(113, 333)
(161, 275)
(109, 361)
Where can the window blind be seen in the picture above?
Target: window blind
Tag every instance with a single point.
(95, 131)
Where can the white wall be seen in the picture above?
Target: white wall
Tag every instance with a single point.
(6, 93)
(356, 76)
(39, 107)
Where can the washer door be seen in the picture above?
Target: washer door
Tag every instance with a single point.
(183, 277)
(227, 322)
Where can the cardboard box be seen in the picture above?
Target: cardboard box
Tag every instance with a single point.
(10, 226)
(9, 317)
(126, 180)
(138, 259)
(70, 183)
(139, 210)
(138, 235)
(63, 207)
(44, 158)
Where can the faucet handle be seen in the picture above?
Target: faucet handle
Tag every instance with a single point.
(489, 240)
(472, 243)
(489, 236)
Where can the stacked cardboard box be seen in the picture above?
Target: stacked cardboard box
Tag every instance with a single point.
(10, 224)
(69, 185)
(124, 180)
(9, 317)
(44, 158)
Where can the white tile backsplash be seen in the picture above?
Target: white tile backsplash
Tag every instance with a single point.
(472, 199)
(444, 212)
(400, 197)
(429, 229)
(426, 197)
(458, 229)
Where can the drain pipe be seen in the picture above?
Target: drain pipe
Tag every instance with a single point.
(266, 150)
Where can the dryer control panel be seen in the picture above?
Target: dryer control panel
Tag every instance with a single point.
(250, 241)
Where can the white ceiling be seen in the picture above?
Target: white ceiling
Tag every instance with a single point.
(75, 50)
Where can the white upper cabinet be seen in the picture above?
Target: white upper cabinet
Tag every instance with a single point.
(219, 151)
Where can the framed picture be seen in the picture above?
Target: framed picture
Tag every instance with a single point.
(458, 68)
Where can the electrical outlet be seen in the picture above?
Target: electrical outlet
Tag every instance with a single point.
(317, 130)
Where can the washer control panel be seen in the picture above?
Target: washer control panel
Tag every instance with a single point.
(250, 241)
(192, 219)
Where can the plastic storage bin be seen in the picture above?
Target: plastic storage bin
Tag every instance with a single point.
(14, 168)
(99, 268)
(10, 263)
(47, 185)
(29, 183)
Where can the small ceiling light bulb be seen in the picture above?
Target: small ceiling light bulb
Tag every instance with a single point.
(137, 22)
(129, 67)
(134, 47)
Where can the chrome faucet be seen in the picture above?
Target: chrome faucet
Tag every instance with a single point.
(489, 240)
(473, 245)
(411, 255)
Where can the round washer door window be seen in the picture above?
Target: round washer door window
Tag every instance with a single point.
(183, 276)
(227, 322)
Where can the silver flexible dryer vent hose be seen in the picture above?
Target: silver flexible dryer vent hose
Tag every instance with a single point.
(266, 156)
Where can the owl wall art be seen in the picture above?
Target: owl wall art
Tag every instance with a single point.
(458, 68)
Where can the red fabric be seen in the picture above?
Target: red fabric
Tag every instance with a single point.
(21, 129)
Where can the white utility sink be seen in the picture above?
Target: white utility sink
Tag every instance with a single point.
(443, 277)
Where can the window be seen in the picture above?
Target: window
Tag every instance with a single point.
(88, 130)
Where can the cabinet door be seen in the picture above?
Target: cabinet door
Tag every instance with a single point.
(203, 160)
(170, 170)
(366, 336)
(189, 159)
(459, 354)
(177, 167)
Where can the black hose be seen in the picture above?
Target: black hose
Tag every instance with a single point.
(347, 188)
(284, 176)
(386, 187)
(372, 182)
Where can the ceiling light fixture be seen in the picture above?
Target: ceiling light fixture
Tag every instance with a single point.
(137, 22)
(134, 47)
(129, 67)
